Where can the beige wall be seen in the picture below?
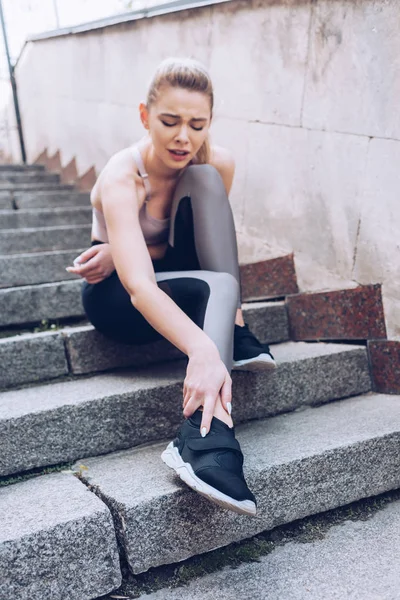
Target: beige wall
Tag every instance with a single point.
(306, 97)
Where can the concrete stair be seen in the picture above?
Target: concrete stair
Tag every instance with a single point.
(297, 464)
(11, 168)
(59, 237)
(76, 350)
(48, 424)
(33, 186)
(49, 217)
(20, 177)
(64, 196)
(31, 268)
(313, 434)
(57, 541)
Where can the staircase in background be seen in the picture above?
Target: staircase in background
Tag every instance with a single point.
(316, 434)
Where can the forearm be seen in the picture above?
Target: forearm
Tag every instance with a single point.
(170, 321)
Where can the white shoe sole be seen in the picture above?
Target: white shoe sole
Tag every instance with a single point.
(173, 459)
(262, 362)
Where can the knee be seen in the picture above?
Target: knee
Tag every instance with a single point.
(204, 175)
(227, 284)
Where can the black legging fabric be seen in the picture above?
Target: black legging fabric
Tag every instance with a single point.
(200, 270)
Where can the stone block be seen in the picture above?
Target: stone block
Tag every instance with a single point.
(33, 187)
(32, 303)
(357, 557)
(48, 424)
(351, 314)
(385, 365)
(47, 199)
(20, 177)
(57, 541)
(6, 201)
(90, 351)
(296, 465)
(47, 217)
(21, 168)
(267, 320)
(30, 358)
(14, 241)
(37, 267)
(269, 278)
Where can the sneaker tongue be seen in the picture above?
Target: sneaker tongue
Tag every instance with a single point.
(216, 424)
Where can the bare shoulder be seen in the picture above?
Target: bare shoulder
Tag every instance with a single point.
(222, 159)
(119, 169)
(119, 165)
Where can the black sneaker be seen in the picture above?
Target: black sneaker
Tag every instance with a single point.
(213, 465)
(248, 353)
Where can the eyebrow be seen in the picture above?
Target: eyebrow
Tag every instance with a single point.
(178, 117)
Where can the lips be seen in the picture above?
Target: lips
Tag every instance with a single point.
(177, 156)
(179, 152)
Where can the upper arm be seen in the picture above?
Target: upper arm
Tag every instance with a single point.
(222, 159)
(120, 207)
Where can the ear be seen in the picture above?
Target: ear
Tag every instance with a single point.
(144, 115)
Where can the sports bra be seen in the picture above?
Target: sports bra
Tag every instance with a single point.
(155, 231)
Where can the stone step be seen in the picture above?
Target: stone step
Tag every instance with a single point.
(357, 559)
(45, 217)
(48, 424)
(34, 357)
(36, 239)
(32, 303)
(44, 199)
(57, 540)
(37, 267)
(297, 464)
(34, 187)
(21, 168)
(23, 303)
(21, 177)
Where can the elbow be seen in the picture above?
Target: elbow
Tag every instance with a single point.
(138, 290)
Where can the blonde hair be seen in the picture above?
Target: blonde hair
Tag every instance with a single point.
(189, 74)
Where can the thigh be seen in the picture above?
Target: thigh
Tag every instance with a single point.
(108, 307)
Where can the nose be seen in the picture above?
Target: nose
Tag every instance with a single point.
(183, 135)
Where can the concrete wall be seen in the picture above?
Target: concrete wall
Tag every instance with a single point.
(307, 96)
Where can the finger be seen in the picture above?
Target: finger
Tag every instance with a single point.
(87, 254)
(226, 395)
(208, 413)
(186, 399)
(192, 405)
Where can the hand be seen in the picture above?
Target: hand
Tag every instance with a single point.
(98, 263)
(206, 378)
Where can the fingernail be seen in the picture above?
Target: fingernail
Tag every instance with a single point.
(203, 431)
(229, 405)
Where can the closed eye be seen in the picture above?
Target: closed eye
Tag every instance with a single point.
(174, 124)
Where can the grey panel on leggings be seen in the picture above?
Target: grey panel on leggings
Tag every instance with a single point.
(221, 307)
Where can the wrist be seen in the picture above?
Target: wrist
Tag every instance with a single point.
(205, 349)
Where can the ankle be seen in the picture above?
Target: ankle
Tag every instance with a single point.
(222, 415)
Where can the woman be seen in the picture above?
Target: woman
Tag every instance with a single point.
(164, 264)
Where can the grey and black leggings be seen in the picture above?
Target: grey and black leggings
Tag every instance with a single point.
(200, 270)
